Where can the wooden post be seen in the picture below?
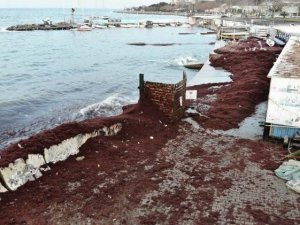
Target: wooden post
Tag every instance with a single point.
(141, 86)
(184, 76)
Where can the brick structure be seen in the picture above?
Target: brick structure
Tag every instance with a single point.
(169, 98)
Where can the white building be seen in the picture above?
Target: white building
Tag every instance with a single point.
(283, 112)
(291, 10)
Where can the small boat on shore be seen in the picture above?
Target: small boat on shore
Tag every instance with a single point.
(279, 42)
(194, 66)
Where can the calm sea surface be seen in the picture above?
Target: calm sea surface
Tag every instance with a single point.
(51, 77)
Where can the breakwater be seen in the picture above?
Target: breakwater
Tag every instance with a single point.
(33, 27)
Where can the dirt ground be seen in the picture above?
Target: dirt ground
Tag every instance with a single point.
(154, 172)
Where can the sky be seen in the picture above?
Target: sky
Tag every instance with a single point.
(112, 4)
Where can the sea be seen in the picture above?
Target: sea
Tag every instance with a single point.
(51, 77)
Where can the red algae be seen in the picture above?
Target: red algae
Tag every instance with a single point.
(249, 62)
(115, 157)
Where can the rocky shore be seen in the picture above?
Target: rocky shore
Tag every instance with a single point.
(156, 172)
(33, 27)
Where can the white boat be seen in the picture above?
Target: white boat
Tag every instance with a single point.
(111, 26)
(129, 25)
(84, 28)
(97, 26)
(145, 24)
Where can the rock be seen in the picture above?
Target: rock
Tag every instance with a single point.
(45, 169)
(2, 189)
(13, 175)
(32, 27)
(80, 158)
(35, 160)
(67, 148)
(20, 172)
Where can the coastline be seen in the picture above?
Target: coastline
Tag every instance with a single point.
(157, 172)
(152, 13)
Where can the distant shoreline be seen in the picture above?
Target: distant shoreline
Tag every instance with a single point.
(152, 13)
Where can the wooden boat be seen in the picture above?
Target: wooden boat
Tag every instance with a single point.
(194, 66)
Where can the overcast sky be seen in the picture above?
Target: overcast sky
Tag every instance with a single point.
(74, 3)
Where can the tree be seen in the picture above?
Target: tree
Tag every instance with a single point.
(276, 6)
(284, 14)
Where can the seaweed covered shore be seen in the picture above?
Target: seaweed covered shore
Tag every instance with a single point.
(249, 63)
(156, 172)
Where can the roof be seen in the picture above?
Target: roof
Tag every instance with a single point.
(288, 63)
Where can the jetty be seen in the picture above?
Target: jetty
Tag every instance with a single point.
(45, 27)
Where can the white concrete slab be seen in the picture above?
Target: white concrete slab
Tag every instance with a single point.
(209, 74)
(67, 148)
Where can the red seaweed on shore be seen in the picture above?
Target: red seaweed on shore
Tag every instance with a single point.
(249, 62)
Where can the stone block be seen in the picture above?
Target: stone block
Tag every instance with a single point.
(2, 189)
(13, 174)
(66, 148)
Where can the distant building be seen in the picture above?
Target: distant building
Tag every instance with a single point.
(184, 2)
(284, 32)
(283, 114)
(291, 10)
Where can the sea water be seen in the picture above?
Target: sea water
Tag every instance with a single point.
(51, 77)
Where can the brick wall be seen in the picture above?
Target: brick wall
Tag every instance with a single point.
(169, 98)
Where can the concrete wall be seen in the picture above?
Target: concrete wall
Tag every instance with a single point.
(22, 171)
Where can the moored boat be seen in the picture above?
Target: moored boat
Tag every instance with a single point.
(84, 28)
(97, 26)
(194, 66)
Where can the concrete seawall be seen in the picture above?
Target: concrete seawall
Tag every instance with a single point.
(21, 171)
